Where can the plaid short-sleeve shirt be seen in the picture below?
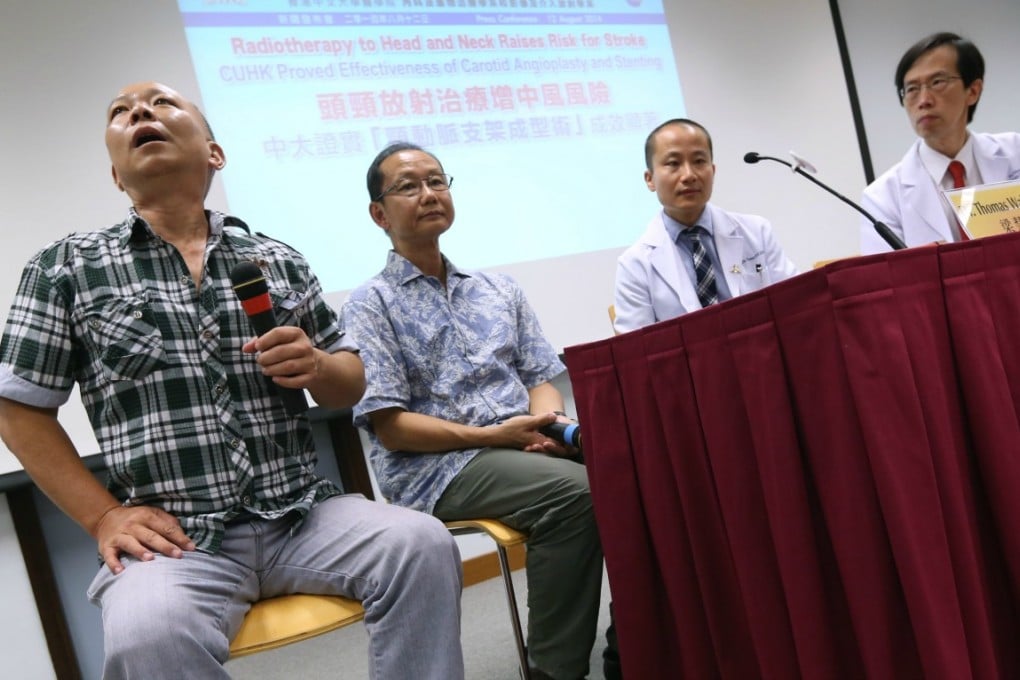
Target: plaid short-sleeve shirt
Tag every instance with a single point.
(186, 421)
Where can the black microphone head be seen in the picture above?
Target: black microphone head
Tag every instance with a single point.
(247, 280)
(751, 157)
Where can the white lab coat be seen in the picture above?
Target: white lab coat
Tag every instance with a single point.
(907, 200)
(653, 285)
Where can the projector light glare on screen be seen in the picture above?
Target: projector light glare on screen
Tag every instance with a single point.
(541, 114)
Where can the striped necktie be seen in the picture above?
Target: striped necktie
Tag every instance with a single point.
(703, 270)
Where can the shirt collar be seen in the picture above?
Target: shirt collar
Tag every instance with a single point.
(936, 163)
(400, 269)
(674, 228)
(136, 229)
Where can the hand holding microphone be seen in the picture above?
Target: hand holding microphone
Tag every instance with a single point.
(252, 290)
(568, 434)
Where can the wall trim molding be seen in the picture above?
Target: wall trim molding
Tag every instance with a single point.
(483, 567)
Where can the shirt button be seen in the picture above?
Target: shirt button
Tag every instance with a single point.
(137, 314)
(207, 334)
(246, 500)
(94, 323)
(233, 443)
(185, 281)
(219, 389)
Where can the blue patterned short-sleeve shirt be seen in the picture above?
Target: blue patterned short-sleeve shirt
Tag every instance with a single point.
(467, 353)
(186, 421)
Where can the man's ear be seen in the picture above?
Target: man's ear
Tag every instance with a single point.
(116, 180)
(375, 209)
(217, 157)
(648, 180)
(974, 91)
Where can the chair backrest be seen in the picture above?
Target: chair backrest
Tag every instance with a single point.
(822, 263)
(345, 442)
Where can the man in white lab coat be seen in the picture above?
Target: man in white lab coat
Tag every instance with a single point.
(939, 81)
(693, 253)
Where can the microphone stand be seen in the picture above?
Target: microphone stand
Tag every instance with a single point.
(883, 230)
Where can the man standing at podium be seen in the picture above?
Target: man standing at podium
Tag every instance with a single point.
(692, 254)
(939, 81)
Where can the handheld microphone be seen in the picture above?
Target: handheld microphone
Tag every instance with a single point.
(883, 230)
(564, 433)
(252, 290)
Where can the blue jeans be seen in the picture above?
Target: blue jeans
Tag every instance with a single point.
(174, 618)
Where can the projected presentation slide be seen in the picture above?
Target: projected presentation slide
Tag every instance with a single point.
(538, 108)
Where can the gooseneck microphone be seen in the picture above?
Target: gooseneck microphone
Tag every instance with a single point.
(564, 433)
(883, 230)
(252, 290)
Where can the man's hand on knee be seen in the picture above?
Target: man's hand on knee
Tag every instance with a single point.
(140, 532)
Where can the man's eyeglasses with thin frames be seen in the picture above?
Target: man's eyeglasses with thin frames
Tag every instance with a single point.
(411, 188)
(938, 84)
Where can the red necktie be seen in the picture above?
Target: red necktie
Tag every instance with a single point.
(957, 170)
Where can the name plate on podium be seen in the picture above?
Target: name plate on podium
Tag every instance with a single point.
(988, 209)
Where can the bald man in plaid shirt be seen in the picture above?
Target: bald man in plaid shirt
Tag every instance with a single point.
(212, 501)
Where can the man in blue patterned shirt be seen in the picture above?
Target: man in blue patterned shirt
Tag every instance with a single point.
(212, 501)
(458, 375)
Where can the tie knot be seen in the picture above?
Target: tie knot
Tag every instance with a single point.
(956, 170)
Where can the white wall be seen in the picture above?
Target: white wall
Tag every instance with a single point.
(62, 63)
(876, 48)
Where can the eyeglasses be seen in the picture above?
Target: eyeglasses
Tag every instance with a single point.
(938, 84)
(411, 188)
